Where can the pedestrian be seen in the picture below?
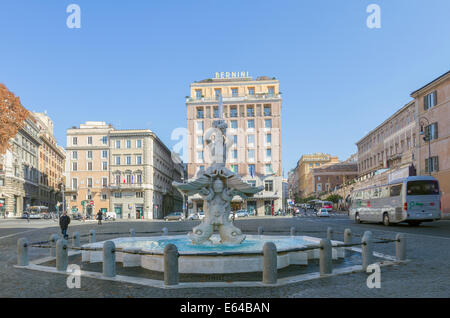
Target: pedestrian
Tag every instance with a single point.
(28, 216)
(7, 213)
(99, 217)
(64, 221)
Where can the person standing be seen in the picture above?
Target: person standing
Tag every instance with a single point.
(99, 217)
(64, 221)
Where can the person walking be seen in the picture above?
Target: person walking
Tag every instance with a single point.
(99, 217)
(64, 221)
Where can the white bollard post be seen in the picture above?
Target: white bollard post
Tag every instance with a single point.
(329, 233)
(53, 239)
(92, 238)
(170, 265)
(347, 240)
(270, 271)
(367, 250)
(400, 247)
(109, 259)
(62, 258)
(22, 252)
(76, 239)
(326, 257)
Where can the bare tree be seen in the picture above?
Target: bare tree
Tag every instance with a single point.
(12, 117)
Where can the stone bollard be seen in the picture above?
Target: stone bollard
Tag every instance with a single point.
(260, 230)
(92, 238)
(76, 239)
(347, 239)
(400, 247)
(326, 257)
(62, 258)
(292, 231)
(170, 265)
(270, 272)
(22, 252)
(329, 233)
(132, 233)
(165, 231)
(367, 250)
(109, 259)
(53, 239)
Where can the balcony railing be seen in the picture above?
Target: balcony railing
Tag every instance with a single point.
(234, 98)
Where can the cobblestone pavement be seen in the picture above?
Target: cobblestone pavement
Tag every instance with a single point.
(425, 275)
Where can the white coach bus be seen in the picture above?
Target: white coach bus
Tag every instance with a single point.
(412, 200)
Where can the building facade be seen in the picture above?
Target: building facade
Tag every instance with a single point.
(129, 172)
(304, 180)
(252, 111)
(329, 177)
(19, 171)
(433, 121)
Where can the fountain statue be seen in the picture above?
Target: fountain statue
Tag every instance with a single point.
(217, 185)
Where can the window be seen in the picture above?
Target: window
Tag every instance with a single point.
(251, 154)
(117, 178)
(200, 113)
(431, 132)
(89, 140)
(423, 187)
(128, 160)
(251, 139)
(432, 164)
(118, 160)
(268, 139)
(235, 168)
(74, 141)
(89, 182)
(200, 155)
(74, 183)
(198, 93)
(74, 197)
(319, 187)
(89, 166)
(139, 160)
(104, 196)
(200, 140)
(235, 140)
(268, 153)
(250, 112)
(118, 195)
(200, 126)
(104, 165)
(118, 144)
(233, 112)
(139, 179)
(216, 112)
(395, 190)
(251, 124)
(234, 154)
(267, 111)
(217, 92)
(104, 140)
(251, 170)
(128, 144)
(89, 154)
(268, 123)
(430, 100)
(268, 168)
(139, 194)
(104, 182)
(74, 166)
(270, 90)
(234, 124)
(251, 91)
(139, 143)
(234, 92)
(268, 185)
(75, 155)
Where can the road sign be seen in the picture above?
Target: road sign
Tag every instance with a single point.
(91, 203)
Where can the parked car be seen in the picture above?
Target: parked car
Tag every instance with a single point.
(241, 214)
(174, 216)
(193, 216)
(110, 216)
(322, 212)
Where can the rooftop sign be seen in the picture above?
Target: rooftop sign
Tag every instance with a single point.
(219, 75)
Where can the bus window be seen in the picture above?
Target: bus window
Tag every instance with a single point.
(384, 192)
(396, 190)
(422, 187)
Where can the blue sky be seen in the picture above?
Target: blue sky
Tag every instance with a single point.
(131, 62)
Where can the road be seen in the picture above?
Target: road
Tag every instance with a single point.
(425, 275)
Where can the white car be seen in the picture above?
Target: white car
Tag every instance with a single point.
(242, 214)
(110, 216)
(322, 212)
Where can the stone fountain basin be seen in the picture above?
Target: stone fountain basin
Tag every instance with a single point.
(220, 262)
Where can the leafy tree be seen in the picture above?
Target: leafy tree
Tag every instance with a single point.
(12, 117)
(333, 198)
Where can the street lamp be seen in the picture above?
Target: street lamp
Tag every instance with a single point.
(426, 137)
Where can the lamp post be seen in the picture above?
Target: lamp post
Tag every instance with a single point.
(426, 137)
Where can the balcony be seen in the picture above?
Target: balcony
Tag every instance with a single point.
(126, 186)
(237, 98)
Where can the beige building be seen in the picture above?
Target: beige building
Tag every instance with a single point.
(87, 168)
(51, 164)
(304, 180)
(391, 146)
(433, 157)
(252, 110)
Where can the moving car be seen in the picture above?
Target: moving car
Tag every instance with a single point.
(241, 214)
(193, 216)
(110, 216)
(322, 212)
(174, 216)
